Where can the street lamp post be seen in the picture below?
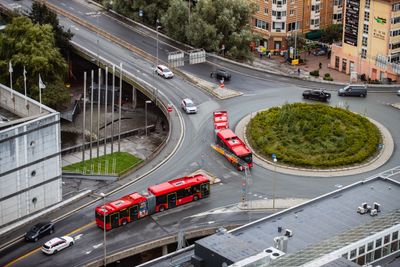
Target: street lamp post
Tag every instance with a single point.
(145, 114)
(104, 229)
(157, 27)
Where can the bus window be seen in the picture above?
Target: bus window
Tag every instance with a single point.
(247, 158)
(161, 200)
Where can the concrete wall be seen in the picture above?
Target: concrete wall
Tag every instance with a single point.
(30, 165)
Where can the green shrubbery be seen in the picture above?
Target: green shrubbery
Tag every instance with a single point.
(315, 73)
(316, 135)
(327, 77)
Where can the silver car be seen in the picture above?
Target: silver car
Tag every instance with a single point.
(188, 106)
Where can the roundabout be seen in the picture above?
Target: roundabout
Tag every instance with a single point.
(382, 154)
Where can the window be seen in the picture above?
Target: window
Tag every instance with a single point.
(394, 247)
(366, 16)
(370, 246)
(344, 65)
(378, 242)
(345, 255)
(365, 30)
(386, 239)
(291, 12)
(367, 3)
(123, 213)
(395, 235)
(361, 250)
(395, 20)
(364, 41)
(395, 6)
(363, 53)
(361, 260)
(353, 253)
(385, 250)
(370, 257)
(378, 254)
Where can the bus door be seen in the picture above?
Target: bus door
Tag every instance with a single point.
(114, 220)
(205, 189)
(133, 212)
(171, 200)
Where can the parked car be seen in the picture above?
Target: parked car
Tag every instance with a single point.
(398, 92)
(56, 244)
(353, 90)
(164, 71)
(319, 95)
(188, 106)
(39, 230)
(221, 74)
(320, 52)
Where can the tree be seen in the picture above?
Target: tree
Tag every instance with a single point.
(33, 46)
(332, 33)
(175, 20)
(42, 15)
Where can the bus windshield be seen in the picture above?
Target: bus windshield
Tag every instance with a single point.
(248, 158)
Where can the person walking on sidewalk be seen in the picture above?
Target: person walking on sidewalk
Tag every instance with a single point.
(320, 65)
(298, 71)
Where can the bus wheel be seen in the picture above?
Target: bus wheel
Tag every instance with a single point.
(195, 198)
(162, 208)
(124, 222)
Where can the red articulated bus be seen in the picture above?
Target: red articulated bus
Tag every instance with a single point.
(159, 197)
(229, 144)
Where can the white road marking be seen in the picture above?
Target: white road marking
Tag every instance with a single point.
(98, 245)
(210, 222)
(88, 252)
(78, 237)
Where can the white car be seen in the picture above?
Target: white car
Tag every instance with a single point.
(398, 92)
(188, 106)
(164, 71)
(57, 244)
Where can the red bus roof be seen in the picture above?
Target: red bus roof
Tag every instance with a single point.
(176, 184)
(121, 203)
(221, 120)
(233, 142)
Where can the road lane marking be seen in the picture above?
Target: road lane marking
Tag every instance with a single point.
(37, 249)
(98, 245)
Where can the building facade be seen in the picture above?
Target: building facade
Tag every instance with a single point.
(371, 40)
(30, 156)
(276, 20)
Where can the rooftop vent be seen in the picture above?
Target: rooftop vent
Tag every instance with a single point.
(288, 233)
(364, 208)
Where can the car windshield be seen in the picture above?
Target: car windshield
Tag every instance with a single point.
(189, 104)
(46, 246)
(166, 70)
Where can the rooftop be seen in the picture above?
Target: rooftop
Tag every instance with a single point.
(319, 226)
(16, 108)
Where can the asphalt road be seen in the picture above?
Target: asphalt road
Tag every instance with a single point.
(260, 90)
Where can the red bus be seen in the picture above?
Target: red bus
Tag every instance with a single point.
(221, 120)
(228, 140)
(163, 196)
(180, 191)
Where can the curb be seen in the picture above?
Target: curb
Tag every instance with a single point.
(376, 162)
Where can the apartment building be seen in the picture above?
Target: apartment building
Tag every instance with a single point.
(371, 40)
(276, 20)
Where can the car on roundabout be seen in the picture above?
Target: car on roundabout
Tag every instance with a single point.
(319, 95)
(188, 106)
(398, 92)
(56, 244)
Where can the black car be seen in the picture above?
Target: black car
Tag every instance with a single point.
(320, 95)
(221, 74)
(39, 230)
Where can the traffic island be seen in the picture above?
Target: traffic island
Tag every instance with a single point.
(380, 153)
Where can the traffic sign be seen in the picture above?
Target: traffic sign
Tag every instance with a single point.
(273, 156)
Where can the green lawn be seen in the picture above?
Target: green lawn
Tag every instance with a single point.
(123, 162)
(313, 135)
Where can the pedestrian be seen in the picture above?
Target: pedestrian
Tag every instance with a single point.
(320, 65)
(298, 71)
(309, 51)
(269, 54)
(260, 55)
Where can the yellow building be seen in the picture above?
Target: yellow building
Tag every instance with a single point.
(276, 20)
(371, 40)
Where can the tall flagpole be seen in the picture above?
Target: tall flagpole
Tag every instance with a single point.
(98, 114)
(25, 86)
(120, 102)
(10, 70)
(84, 123)
(112, 110)
(105, 113)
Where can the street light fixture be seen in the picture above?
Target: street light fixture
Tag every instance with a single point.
(157, 27)
(104, 229)
(145, 113)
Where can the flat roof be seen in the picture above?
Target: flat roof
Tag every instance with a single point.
(319, 226)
